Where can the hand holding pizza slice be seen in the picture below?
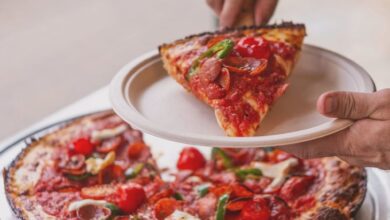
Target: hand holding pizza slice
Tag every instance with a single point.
(239, 72)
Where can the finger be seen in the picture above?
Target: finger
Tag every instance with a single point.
(229, 13)
(264, 10)
(215, 5)
(382, 107)
(347, 105)
(332, 145)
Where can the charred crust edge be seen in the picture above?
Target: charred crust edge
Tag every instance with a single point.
(11, 168)
(363, 192)
(287, 25)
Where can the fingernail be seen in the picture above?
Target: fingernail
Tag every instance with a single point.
(330, 105)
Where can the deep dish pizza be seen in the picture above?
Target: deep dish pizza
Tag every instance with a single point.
(240, 72)
(98, 167)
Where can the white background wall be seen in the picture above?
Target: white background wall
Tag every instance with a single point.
(54, 52)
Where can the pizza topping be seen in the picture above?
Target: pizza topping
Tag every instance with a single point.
(245, 65)
(256, 209)
(221, 207)
(82, 146)
(110, 144)
(72, 163)
(218, 155)
(165, 207)
(237, 204)
(295, 187)
(209, 70)
(80, 177)
(98, 191)
(220, 49)
(132, 172)
(224, 79)
(244, 173)
(203, 189)
(93, 212)
(108, 133)
(190, 159)
(180, 215)
(78, 204)
(135, 149)
(95, 165)
(256, 47)
(278, 171)
(129, 197)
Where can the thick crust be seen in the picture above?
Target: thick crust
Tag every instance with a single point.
(296, 29)
(24, 171)
(341, 193)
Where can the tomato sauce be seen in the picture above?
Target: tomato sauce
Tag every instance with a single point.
(250, 68)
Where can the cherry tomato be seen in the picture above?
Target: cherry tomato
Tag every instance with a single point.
(253, 47)
(109, 144)
(165, 207)
(135, 149)
(295, 187)
(98, 191)
(129, 197)
(256, 209)
(83, 146)
(190, 159)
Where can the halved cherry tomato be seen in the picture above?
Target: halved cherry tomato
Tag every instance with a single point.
(165, 207)
(129, 197)
(83, 146)
(109, 144)
(253, 47)
(135, 149)
(98, 191)
(240, 191)
(256, 209)
(190, 159)
(295, 187)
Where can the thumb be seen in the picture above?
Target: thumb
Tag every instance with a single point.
(347, 105)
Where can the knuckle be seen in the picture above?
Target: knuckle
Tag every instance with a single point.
(349, 108)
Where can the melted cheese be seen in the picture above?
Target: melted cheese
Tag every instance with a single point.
(278, 171)
(95, 165)
(179, 215)
(108, 133)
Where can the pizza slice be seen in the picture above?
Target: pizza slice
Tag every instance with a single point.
(240, 73)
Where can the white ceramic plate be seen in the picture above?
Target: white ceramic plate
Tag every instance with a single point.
(144, 95)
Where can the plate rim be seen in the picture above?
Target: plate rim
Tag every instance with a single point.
(120, 82)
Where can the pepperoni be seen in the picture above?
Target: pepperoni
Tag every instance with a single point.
(209, 70)
(295, 187)
(256, 209)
